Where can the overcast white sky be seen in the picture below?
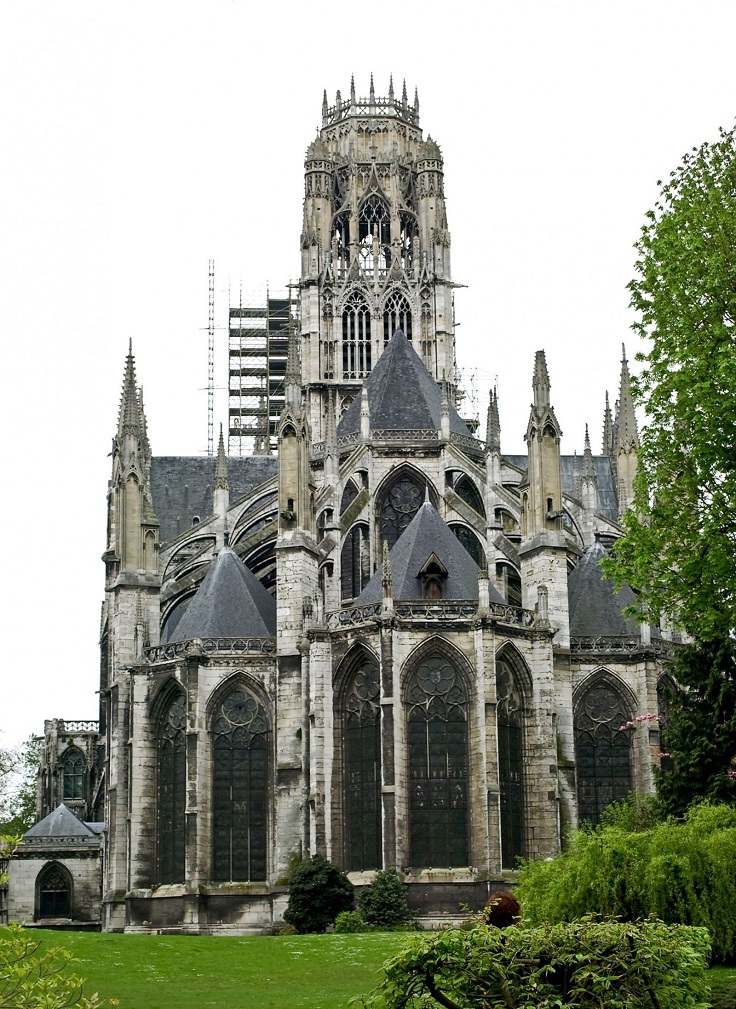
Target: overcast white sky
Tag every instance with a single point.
(141, 139)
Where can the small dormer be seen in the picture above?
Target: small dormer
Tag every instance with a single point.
(432, 575)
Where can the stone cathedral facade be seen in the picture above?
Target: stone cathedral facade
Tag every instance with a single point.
(389, 642)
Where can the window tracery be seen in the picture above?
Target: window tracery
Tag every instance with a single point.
(363, 768)
(73, 776)
(438, 765)
(396, 315)
(356, 337)
(399, 505)
(240, 788)
(471, 542)
(510, 729)
(54, 890)
(354, 562)
(172, 792)
(374, 236)
(602, 750)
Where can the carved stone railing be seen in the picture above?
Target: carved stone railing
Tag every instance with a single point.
(351, 615)
(371, 107)
(512, 614)
(401, 436)
(619, 643)
(70, 841)
(78, 725)
(211, 646)
(436, 609)
(429, 609)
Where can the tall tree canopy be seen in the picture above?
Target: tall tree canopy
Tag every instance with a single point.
(680, 542)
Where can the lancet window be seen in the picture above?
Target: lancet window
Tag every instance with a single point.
(54, 892)
(602, 750)
(438, 765)
(408, 238)
(241, 741)
(356, 337)
(172, 791)
(471, 543)
(399, 505)
(73, 776)
(354, 562)
(374, 236)
(466, 489)
(510, 729)
(341, 243)
(396, 315)
(362, 761)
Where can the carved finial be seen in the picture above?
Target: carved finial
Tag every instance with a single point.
(391, 89)
(221, 481)
(426, 494)
(338, 101)
(588, 467)
(404, 99)
(372, 93)
(607, 428)
(540, 382)
(627, 433)
(352, 89)
(416, 104)
(324, 108)
(493, 424)
(387, 580)
(576, 480)
(365, 415)
(330, 425)
(129, 415)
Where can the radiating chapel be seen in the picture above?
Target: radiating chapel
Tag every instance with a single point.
(386, 640)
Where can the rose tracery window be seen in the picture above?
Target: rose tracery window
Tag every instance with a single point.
(363, 769)
(400, 504)
(73, 776)
(438, 766)
(356, 337)
(602, 751)
(396, 315)
(240, 788)
(172, 792)
(509, 722)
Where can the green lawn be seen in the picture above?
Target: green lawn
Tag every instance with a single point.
(202, 972)
(289, 972)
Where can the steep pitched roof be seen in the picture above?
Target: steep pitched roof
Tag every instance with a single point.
(60, 822)
(425, 535)
(230, 603)
(595, 607)
(402, 395)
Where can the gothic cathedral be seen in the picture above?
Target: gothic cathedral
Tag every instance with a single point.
(385, 640)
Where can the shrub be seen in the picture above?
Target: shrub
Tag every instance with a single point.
(349, 921)
(318, 892)
(383, 902)
(585, 964)
(681, 872)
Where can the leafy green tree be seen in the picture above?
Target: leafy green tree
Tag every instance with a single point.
(318, 892)
(699, 732)
(18, 774)
(32, 977)
(680, 540)
(383, 902)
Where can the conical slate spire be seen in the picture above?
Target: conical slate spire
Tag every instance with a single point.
(627, 431)
(493, 424)
(221, 481)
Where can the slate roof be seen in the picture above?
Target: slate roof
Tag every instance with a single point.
(230, 603)
(425, 535)
(607, 500)
(61, 822)
(402, 395)
(182, 486)
(595, 608)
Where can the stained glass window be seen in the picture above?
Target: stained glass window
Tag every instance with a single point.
(73, 776)
(509, 722)
(54, 892)
(363, 769)
(240, 792)
(172, 792)
(438, 766)
(400, 504)
(602, 750)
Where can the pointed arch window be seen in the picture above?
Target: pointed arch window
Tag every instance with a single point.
(172, 769)
(354, 562)
(396, 315)
(510, 729)
(241, 741)
(602, 750)
(73, 776)
(399, 505)
(471, 542)
(408, 239)
(341, 243)
(469, 493)
(356, 337)
(362, 782)
(54, 892)
(374, 235)
(438, 765)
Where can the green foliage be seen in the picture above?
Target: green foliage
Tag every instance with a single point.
(31, 978)
(681, 872)
(318, 892)
(350, 921)
(699, 732)
(680, 537)
(383, 902)
(581, 964)
(18, 774)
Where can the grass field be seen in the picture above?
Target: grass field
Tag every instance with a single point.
(289, 972)
(201, 972)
